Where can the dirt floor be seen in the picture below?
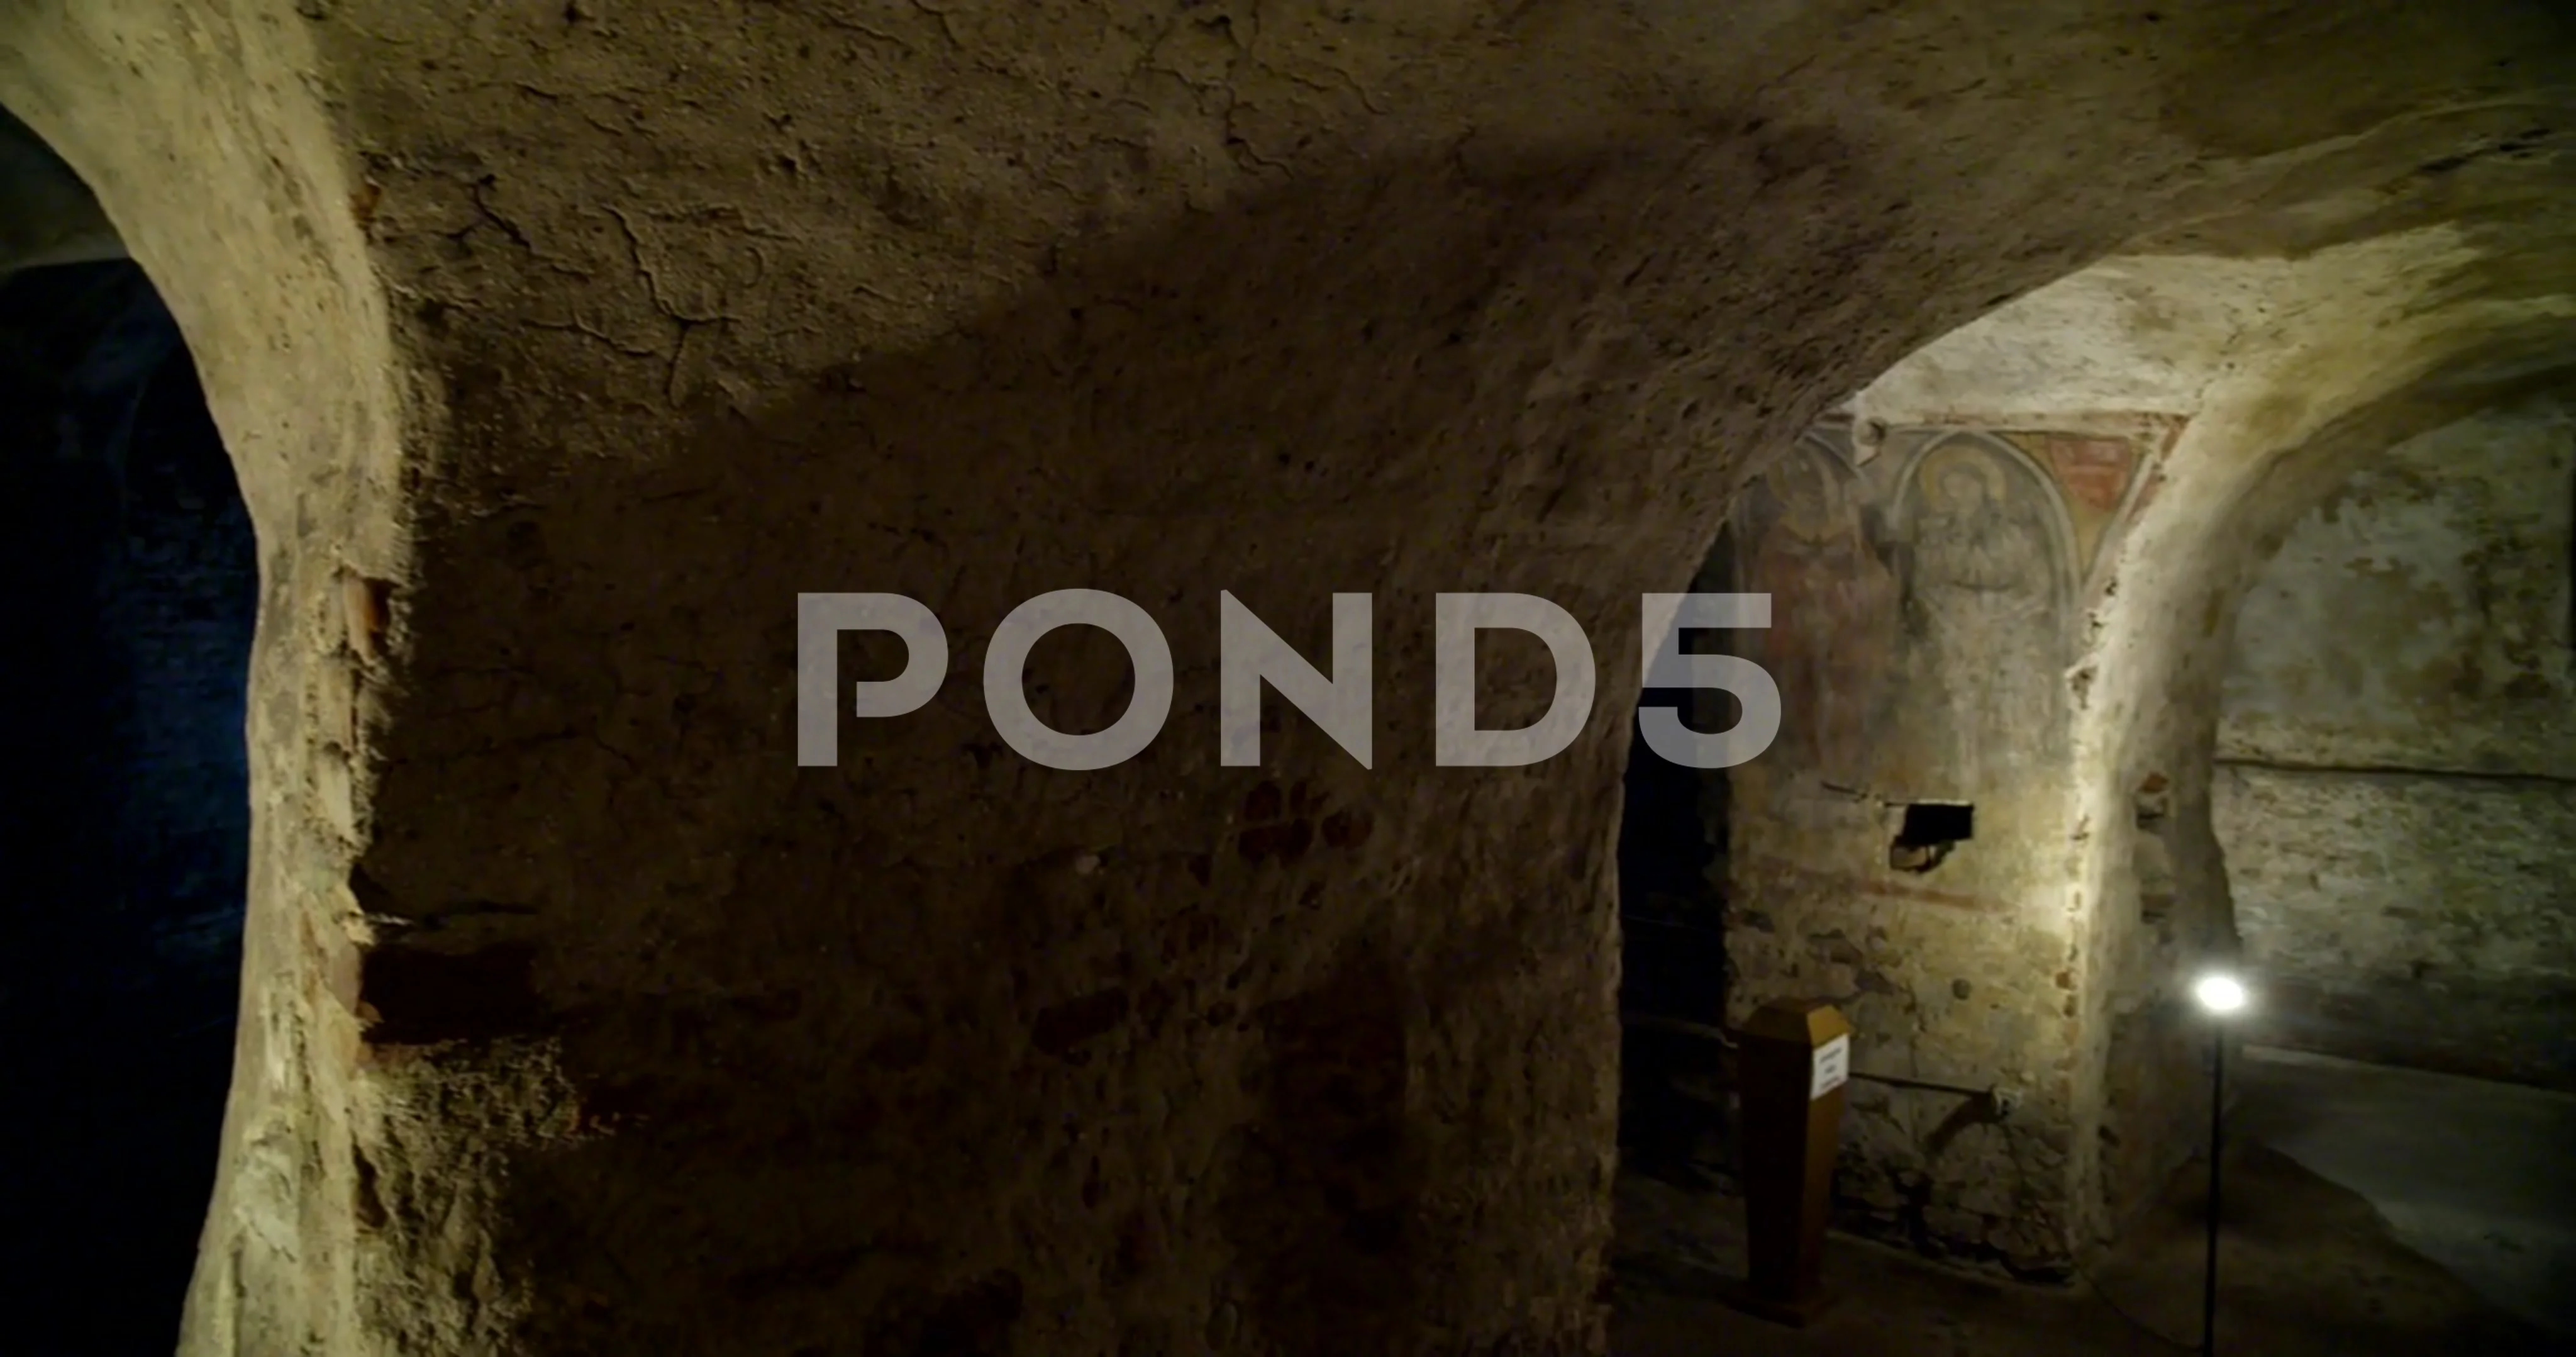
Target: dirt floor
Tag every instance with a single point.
(2478, 1177)
(2308, 1264)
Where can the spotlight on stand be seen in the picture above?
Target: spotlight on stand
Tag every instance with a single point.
(2222, 996)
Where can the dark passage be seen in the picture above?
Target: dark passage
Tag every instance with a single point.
(1673, 966)
(131, 585)
(1670, 842)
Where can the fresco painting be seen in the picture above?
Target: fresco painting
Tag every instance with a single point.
(1835, 626)
(1922, 605)
(1985, 600)
(2094, 471)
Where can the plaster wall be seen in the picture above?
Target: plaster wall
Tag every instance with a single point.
(2396, 790)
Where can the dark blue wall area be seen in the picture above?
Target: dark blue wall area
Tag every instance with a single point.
(128, 589)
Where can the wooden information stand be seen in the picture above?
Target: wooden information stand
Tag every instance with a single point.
(1793, 1060)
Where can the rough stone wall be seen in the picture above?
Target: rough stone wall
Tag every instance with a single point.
(1926, 590)
(554, 339)
(2397, 781)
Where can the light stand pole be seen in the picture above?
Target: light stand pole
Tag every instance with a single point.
(2217, 1151)
(2222, 996)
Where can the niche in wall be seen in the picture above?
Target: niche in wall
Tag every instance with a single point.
(1927, 833)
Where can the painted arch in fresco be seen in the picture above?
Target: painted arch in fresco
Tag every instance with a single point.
(1986, 577)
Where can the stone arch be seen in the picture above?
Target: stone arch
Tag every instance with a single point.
(2403, 612)
(2154, 708)
(2500, 373)
(197, 131)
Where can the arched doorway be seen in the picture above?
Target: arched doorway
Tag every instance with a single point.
(130, 601)
(2394, 794)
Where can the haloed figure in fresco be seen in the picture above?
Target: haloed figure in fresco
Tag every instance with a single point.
(1833, 614)
(1985, 595)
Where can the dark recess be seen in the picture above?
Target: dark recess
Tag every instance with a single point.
(128, 587)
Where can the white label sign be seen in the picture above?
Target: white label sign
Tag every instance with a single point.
(1833, 1067)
